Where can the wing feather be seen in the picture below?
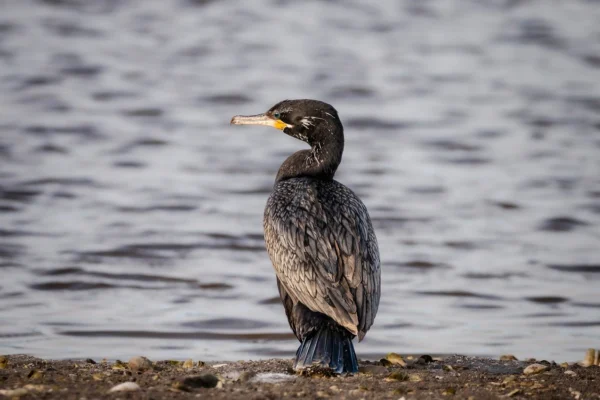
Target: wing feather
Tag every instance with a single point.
(324, 250)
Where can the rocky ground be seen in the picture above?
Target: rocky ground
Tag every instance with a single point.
(421, 377)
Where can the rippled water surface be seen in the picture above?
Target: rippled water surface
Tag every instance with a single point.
(131, 212)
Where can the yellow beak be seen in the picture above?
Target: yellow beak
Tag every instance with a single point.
(260, 119)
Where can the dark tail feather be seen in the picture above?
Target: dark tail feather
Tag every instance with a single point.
(329, 348)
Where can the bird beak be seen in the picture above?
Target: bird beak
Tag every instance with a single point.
(260, 119)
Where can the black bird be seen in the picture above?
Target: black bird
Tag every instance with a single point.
(320, 239)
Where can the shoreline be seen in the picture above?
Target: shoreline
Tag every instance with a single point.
(393, 377)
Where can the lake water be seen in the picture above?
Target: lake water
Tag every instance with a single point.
(131, 212)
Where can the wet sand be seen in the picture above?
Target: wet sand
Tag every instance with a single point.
(422, 377)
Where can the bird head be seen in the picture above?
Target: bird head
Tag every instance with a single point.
(311, 121)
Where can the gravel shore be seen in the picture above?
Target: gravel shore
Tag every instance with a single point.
(393, 377)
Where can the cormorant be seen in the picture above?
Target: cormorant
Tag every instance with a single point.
(320, 239)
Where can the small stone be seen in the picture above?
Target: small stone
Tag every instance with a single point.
(201, 381)
(373, 370)
(571, 373)
(396, 359)
(180, 387)
(564, 365)
(322, 394)
(3, 362)
(397, 376)
(414, 378)
(590, 358)
(385, 362)
(97, 377)
(514, 393)
(246, 376)
(335, 389)
(425, 359)
(219, 365)
(188, 364)
(125, 387)
(35, 374)
(200, 364)
(575, 393)
(90, 361)
(508, 357)
(509, 379)
(36, 388)
(139, 364)
(120, 365)
(535, 369)
(536, 386)
(10, 393)
(447, 368)
(449, 391)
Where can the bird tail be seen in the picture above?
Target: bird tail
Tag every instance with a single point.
(327, 348)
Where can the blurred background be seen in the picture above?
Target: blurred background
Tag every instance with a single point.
(131, 212)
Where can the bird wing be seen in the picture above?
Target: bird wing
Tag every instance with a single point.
(324, 251)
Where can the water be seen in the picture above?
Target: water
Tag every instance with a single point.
(131, 212)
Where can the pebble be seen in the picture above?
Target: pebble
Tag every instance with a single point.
(10, 393)
(219, 365)
(535, 369)
(575, 393)
(3, 362)
(590, 358)
(450, 391)
(396, 359)
(425, 359)
(188, 364)
(415, 378)
(571, 373)
(119, 365)
(98, 377)
(125, 387)
(508, 357)
(509, 379)
(35, 374)
(246, 376)
(373, 370)
(140, 364)
(200, 381)
(397, 376)
(514, 393)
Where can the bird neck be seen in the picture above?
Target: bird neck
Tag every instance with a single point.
(320, 162)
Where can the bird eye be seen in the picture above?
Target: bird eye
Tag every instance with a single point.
(277, 115)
